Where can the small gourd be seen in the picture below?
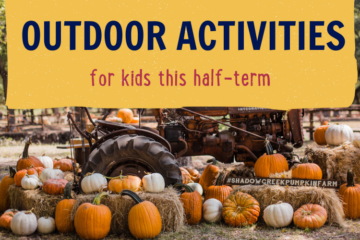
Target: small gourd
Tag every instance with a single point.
(93, 182)
(154, 183)
(278, 215)
(24, 223)
(212, 210)
(46, 225)
(30, 182)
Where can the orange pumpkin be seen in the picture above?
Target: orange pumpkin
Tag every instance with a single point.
(194, 174)
(310, 216)
(350, 194)
(126, 115)
(186, 177)
(54, 186)
(144, 219)
(28, 161)
(4, 187)
(325, 122)
(306, 170)
(197, 179)
(5, 219)
(39, 170)
(192, 204)
(21, 174)
(92, 221)
(209, 175)
(135, 120)
(117, 184)
(64, 165)
(63, 211)
(319, 135)
(218, 191)
(270, 163)
(240, 209)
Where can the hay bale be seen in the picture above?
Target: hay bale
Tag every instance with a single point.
(168, 203)
(43, 204)
(336, 161)
(69, 176)
(296, 197)
(239, 170)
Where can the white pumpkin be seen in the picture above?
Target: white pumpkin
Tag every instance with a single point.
(29, 182)
(46, 225)
(197, 187)
(49, 173)
(47, 161)
(212, 210)
(338, 134)
(23, 223)
(154, 183)
(93, 183)
(278, 215)
(11, 210)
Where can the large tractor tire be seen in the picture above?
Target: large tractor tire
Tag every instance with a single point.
(133, 155)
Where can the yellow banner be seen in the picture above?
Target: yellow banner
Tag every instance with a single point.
(147, 54)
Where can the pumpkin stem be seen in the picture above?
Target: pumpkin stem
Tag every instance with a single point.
(220, 179)
(25, 153)
(187, 187)
(89, 173)
(121, 177)
(305, 160)
(269, 149)
(213, 161)
(350, 178)
(67, 190)
(30, 211)
(12, 172)
(131, 194)
(98, 198)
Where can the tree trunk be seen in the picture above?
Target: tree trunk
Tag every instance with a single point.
(55, 111)
(4, 76)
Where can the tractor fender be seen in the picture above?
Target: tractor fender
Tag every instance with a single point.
(140, 132)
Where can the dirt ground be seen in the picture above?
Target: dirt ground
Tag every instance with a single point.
(10, 151)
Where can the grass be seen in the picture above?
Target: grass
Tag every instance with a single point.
(10, 150)
(221, 231)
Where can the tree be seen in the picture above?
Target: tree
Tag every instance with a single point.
(4, 61)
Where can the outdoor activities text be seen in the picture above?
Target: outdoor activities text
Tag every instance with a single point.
(187, 35)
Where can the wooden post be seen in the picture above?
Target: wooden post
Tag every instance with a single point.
(8, 120)
(42, 120)
(311, 126)
(32, 116)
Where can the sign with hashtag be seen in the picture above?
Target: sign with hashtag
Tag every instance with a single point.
(283, 182)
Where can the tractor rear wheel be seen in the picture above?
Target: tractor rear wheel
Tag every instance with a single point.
(133, 155)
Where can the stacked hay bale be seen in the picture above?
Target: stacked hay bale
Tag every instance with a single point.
(336, 161)
(167, 202)
(43, 204)
(296, 197)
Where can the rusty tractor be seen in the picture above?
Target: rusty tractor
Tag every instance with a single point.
(227, 133)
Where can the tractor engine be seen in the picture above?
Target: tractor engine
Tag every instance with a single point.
(191, 134)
